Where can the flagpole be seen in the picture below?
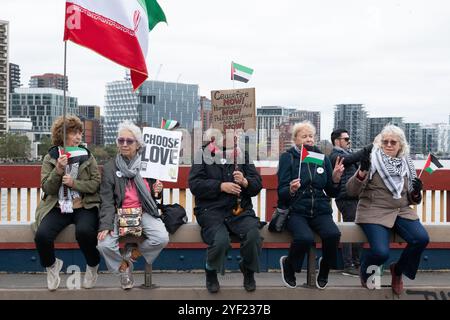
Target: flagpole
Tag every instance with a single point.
(300, 164)
(420, 174)
(64, 94)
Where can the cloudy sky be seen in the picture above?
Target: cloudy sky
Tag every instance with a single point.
(392, 56)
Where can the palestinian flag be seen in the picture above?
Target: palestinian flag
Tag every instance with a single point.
(115, 29)
(432, 164)
(74, 154)
(169, 124)
(312, 157)
(240, 73)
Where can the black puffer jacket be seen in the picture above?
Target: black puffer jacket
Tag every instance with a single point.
(351, 164)
(205, 180)
(313, 197)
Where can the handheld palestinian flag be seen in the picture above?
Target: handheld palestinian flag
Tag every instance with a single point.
(432, 164)
(169, 124)
(74, 154)
(240, 72)
(312, 157)
(116, 29)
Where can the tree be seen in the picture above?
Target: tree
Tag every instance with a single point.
(44, 146)
(14, 146)
(103, 154)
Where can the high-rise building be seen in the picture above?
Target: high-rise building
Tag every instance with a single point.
(14, 77)
(146, 107)
(375, 125)
(268, 121)
(413, 133)
(92, 126)
(89, 112)
(296, 117)
(49, 80)
(429, 140)
(41, 105)
(443, 137)
(205, 113)
(4, 90)
(353, 118)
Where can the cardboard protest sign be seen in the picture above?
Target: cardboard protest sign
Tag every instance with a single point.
(233, 109)
(160, 154)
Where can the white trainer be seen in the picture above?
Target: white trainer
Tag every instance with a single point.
(90, 277)
(126, 278)
(53, 278)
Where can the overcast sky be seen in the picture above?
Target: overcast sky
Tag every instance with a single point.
(391, 56)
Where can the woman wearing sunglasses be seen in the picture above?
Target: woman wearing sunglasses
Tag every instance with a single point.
(123, 187)
(387, 186)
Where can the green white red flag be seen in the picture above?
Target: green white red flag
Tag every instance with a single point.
(115, 29)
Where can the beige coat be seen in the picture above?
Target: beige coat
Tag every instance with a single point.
(376, 203)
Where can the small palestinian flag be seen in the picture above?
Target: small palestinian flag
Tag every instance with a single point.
(240, 72)
(312, 157)
(169, 124)
(432, 164)
(74, 154)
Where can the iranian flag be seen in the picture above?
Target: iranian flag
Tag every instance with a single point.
(240, 72)
(116, 29)
(432, 164)
(312, 157)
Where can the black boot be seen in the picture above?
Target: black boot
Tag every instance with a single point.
(212, 284)
(249, 278)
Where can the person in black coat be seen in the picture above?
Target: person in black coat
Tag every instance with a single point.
(217, 186)
(308, 196)
(346, 203)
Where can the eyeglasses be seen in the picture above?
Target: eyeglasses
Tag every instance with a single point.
(347, 139)
(391, 142)
(127, 141)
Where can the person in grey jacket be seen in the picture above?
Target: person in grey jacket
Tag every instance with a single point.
(123, 187)
(387, 186)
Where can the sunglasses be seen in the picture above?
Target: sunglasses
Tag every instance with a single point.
(347, 139)
(391, 142)
(127, 141)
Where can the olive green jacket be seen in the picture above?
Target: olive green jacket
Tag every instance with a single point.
(87, 184)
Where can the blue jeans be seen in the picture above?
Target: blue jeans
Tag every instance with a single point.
(414, 234)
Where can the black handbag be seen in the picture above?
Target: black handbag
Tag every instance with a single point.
(279, 220)
(173, 216)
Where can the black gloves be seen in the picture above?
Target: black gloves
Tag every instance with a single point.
(365, 159)
(368, 149)
(417, 185)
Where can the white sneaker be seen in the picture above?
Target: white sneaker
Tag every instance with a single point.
(90, 277)
(53, 278)
(126, 277)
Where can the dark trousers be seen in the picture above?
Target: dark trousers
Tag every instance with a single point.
(411, 231)
(351, 252)
(217, 231)
(86, 229)
(303, 229)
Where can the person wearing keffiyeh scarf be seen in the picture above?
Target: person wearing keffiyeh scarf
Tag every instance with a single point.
(387, 186)
(70, 182)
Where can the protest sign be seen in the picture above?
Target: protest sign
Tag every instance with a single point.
(160, 154)
(233, 109)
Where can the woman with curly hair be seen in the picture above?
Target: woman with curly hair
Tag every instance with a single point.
(70, 181)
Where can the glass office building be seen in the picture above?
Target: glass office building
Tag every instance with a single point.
(146, 107)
